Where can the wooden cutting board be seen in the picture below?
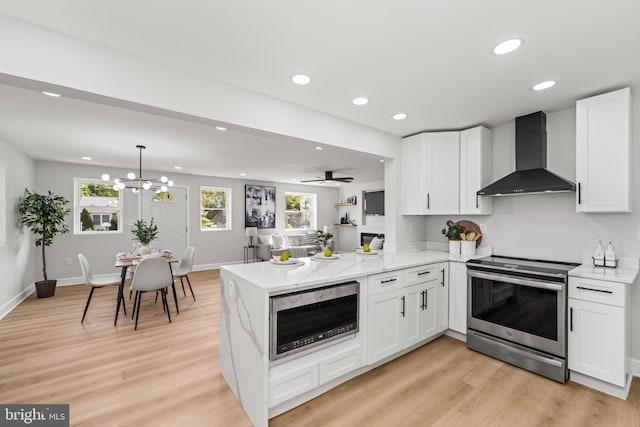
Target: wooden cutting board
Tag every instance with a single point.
(471, 226)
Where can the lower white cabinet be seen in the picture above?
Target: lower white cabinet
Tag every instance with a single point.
(442, 305)
(292, 383)
(404, 316)
(458, 297)
(597, 329)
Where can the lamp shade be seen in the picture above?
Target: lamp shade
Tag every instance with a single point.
(251, 231)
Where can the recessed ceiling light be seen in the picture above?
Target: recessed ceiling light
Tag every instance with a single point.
(52, 94)
(177, 167)
(243, 174)
(360, 101)
(293, 179)
(319, 148)
(301, 79)
(381, 160)
(399, 116)
(86, 158)
(222, 128)
(544, 85)
(507, 46)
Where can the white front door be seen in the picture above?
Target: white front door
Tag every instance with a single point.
(170, 214)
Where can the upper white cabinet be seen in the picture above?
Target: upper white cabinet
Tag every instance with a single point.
(603, 152)
(430, 174)
(442, 171)
(476, 170)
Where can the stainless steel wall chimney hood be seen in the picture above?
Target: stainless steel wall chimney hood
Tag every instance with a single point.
(531, 175)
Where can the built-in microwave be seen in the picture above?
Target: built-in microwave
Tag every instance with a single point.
(306, 319)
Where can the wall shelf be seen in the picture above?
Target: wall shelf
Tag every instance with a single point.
(346, 204)
(344, 225)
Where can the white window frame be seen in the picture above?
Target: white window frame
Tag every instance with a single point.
(77, 209)
(314, 210)
(227, 208)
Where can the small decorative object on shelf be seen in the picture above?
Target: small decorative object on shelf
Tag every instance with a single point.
(452, 232)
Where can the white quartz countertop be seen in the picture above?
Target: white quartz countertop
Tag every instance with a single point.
(621, 275)
(277, 278)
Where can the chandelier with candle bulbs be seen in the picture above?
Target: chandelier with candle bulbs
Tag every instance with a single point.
(137, 183)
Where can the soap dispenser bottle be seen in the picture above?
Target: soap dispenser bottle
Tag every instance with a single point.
(610, 256)
(598, 255)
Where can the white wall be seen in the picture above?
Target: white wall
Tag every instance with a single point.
(212, 248)
(547, 226)
(18, 252)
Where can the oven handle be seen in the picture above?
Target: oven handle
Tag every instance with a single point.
(516, 280)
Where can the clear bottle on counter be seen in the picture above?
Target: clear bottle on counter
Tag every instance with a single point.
(598, 255)
(610, 256)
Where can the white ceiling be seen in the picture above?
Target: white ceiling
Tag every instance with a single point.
(430, 58)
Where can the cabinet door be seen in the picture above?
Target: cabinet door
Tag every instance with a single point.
(603, 152)
(413, 184)
(429, 309)
(385, 323)
(442, 297)
(596, 341)
(458, 297)
(412, 301)
(476, 170)
(443, 172)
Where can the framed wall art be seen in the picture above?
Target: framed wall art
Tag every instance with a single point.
(260, 206)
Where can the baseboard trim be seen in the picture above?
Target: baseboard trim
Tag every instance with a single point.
(457, 335)
(15, 301)
(604, 387)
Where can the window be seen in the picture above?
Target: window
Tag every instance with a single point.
(300, 210)
(164, 197)
(215, 208)
(97, 207)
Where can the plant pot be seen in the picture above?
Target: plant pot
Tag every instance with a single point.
(46, 288)
(144, 250)
(454, 247)
(468, 247)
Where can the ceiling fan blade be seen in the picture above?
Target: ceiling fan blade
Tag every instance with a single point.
(312, 180)
(328, 177)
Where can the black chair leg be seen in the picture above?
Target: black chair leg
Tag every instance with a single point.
(190, 288)
(130, 292)
(86, 307)
(166, 303)
(123, 306)
(135, 304)
(139, 297)
(182, 283)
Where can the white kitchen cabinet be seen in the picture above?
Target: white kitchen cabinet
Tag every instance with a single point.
(430, 174)
(603, 152)
(442, 297)
(458, 297)
(386, 335)
(404, 314)
(597, 341)
(476, 170)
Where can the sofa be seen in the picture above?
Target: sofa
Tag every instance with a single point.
(297, 244)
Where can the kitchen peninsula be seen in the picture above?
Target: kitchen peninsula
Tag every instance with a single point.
(402, 303)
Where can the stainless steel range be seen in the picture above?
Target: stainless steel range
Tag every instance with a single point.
(517, 311)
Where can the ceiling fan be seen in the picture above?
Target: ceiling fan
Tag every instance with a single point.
(328, 177)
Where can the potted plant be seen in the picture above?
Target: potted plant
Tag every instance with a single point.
(144, 233)
(323, 238)
(44, 215)
(452, 232)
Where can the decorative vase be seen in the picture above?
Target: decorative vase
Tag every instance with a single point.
(468, 247)
(144, 250)
(454, 247)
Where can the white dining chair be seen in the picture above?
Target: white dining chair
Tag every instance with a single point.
(94, 282)
(152, 274)
(185, 267)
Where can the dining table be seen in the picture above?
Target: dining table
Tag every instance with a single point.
(124, 263)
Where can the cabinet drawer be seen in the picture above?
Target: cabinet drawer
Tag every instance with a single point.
(344, 362)
(292, 383)
(385, 281)
(601, 291)
(423, 273)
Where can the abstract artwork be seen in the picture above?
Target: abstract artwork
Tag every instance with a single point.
(260, 206)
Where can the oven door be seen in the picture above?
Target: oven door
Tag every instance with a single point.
(527, 311)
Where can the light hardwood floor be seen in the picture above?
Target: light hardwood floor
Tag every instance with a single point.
(167, 374)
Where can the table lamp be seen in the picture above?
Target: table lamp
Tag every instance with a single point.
(251, 232)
